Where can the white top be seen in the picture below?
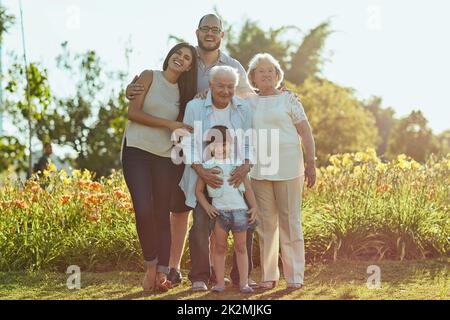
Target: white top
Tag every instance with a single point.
(221, 117)
(232, 198)
(279, 154)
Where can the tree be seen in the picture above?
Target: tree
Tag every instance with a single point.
(6, 21)
(90, 122)
(16, 106)
(104, 140)
(252, 40)
(40, 98)
(79, 109)
(307, 61)
(11, 150)
(12, 153)
(299, 61)
(89, 125)
(339, 122)
(412, 137)
(443, 141)
(384, 120)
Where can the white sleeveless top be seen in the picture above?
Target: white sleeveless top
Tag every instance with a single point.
(162, 100)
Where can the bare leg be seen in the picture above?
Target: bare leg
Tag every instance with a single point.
(179, 226)
(240, 248)
(212, 249)
(149, 278)
(220, 253)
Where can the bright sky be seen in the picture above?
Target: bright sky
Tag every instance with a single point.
(398, 50)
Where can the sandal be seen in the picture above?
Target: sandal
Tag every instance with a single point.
(247, 289)
(294, 285)
(252, 284)
(217, 289)
(268, 285)
(163, 285)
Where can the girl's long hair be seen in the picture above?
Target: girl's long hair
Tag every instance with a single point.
(187, 81)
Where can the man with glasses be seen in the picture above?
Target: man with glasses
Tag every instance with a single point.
(209, 37)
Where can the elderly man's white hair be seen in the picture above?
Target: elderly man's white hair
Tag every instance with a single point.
(224, 70)
(255, 61)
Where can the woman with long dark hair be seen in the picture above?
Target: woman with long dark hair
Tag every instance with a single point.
(146, 155)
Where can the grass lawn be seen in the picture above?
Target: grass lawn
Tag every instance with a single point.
(426, 279)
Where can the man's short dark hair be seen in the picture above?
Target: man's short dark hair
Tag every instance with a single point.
(209, 15)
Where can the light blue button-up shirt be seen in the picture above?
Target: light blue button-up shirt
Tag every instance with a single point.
(198, 111)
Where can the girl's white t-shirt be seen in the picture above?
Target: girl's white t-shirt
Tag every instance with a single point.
(232, 198)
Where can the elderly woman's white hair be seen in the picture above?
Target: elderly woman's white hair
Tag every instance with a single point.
(224, 70)
(256, 60)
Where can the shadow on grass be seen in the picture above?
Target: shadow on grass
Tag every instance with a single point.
(138, 295)
(340, 280)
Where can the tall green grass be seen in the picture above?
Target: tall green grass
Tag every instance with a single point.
(360, 208)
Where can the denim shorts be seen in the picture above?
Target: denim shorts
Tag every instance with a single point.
(234, 220)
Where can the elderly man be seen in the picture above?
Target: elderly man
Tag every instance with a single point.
(209, 36)
(221, 107)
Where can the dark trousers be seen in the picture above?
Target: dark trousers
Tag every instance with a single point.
(199, 248)
(148, 178)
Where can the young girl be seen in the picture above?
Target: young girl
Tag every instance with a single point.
(229, 208)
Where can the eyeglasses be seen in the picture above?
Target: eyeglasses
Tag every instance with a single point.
(205, 29)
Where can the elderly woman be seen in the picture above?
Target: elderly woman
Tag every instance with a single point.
(278, 185)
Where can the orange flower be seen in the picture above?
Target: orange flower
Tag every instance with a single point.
(127, 207)
(102, 196)
(82, 183)
(20, 204)
(95, 186)
(34, 186)
(384, 188)
(94, 217)
(120, 194)
(5, 205)
(82, 195)
(92, 199)
(64, 199)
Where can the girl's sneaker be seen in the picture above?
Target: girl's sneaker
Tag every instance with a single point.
(217, 289)
(247, 289)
